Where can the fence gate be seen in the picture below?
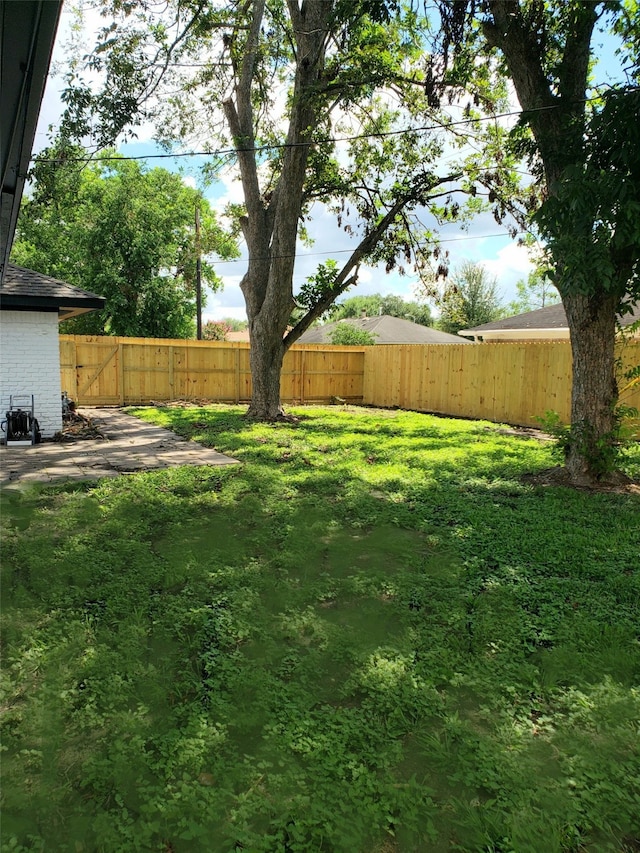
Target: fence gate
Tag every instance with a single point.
(91, 371)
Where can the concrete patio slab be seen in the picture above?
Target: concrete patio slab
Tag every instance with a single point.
(129, 445)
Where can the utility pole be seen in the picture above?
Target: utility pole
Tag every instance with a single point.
(198, 278)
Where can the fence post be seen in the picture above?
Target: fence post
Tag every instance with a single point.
(75, 369)
(237, 368)
(121, 372)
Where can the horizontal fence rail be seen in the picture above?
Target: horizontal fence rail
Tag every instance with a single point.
(512, 383)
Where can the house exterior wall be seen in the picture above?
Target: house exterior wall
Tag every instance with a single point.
(30, 364)
(495, 336)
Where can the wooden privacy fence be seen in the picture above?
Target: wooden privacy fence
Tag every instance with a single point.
(504, 382)
(99, 371)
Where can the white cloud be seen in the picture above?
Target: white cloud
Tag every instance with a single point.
(228, 302)
(216, 312)
(226, 190)
(513, 262)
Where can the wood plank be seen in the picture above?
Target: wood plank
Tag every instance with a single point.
(93, 376)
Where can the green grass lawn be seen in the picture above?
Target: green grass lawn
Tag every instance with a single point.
(371, 637)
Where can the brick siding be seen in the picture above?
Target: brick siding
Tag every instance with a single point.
(30, 364)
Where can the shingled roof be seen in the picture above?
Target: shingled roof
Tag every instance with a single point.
(549, 322)
(26, 290)
(386, 330)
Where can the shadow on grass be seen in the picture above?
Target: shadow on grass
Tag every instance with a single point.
(356, 641)
(220, 426)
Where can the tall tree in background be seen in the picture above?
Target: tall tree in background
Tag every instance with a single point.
(582, 144)
(538, 291)
(123, 232)
(470, 299)
(293, 77)
(374, 305)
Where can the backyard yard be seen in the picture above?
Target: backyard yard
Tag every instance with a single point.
(376, 635)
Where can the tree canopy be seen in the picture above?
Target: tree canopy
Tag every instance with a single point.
(536, 292)
(125, 232)
(345, 334)
(321, 102)
(375, 304)
(578, 139)
(470, 299)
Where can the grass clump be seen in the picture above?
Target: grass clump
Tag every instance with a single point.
(370, 636)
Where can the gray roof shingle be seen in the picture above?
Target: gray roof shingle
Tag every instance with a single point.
(24, 289)
(386, 329)
(549, 317)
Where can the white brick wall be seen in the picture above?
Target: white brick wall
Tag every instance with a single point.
(30, 364)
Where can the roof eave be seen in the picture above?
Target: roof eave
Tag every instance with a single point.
(65, 306)
(560, 333)
(69, 313)
(27, 34)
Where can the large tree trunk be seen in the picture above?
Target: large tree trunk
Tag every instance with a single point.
(267, 353)
(268, 310)
(271, 224)
(594, 393)
(557, 120)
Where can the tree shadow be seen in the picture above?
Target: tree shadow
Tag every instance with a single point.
(325, 650)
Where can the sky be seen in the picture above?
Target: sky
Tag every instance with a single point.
(483, 241)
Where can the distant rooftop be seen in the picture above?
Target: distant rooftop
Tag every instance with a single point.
(386, 329)
(550, 322)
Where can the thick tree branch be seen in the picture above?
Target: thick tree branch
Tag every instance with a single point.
(247, 69)
(550, 117)
(348, 275)
(508, 32)
(245, 151)
(239, 116)
(311, 24)
(577, 54)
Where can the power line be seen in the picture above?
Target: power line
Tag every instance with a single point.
(298, 255)
(224, 152)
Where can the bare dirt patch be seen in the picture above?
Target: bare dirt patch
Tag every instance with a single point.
(559, 476)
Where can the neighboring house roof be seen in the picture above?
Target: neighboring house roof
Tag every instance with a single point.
(548, 322)
(27, 33)
(26, 290)
(386, 329)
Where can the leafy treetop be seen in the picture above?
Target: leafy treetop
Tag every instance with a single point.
(470, 299)
(346, 334)
(127, 233)
(375, 304)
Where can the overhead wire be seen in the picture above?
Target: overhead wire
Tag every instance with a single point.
(259, 149)
(279, 146)
(350, 251)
